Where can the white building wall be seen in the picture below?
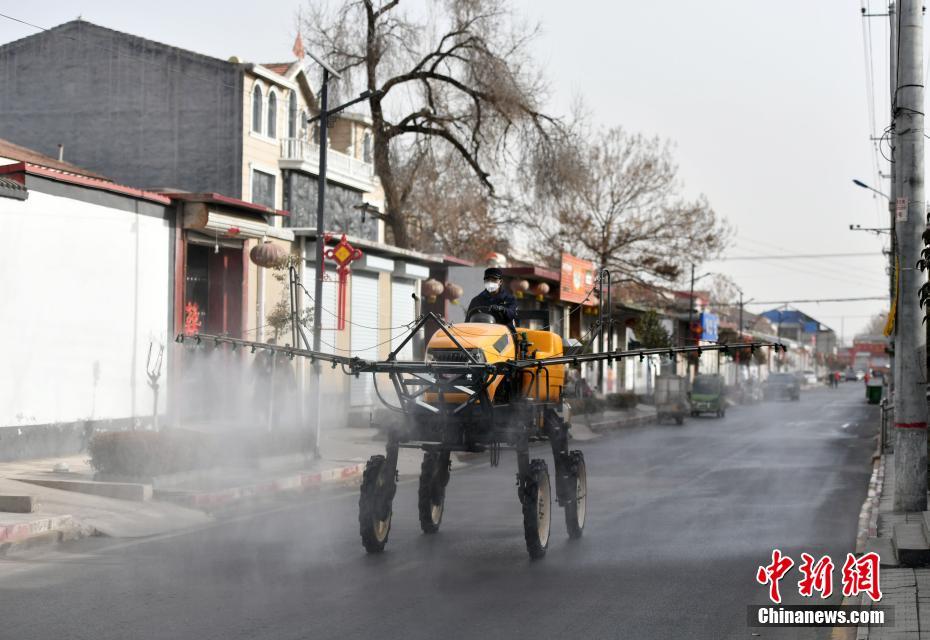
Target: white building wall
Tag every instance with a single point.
(85, 291)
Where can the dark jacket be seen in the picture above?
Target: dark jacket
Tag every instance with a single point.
(503, 299)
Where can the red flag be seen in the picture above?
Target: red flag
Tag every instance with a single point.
(298, 48)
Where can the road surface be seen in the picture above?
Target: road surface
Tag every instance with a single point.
(679, 518)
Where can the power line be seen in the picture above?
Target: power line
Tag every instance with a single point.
(800, 255)
(839, 272)
(818, 300)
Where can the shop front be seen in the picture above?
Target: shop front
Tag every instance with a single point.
(215, 291)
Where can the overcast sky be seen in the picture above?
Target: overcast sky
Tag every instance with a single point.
(767, 103)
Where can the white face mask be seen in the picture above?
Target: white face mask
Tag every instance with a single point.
(491, 286)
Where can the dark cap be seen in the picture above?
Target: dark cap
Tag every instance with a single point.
(493, 272)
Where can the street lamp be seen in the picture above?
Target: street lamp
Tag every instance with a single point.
(860, 183)
(323, 117)
(875, 230)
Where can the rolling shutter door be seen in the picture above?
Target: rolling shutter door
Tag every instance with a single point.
(402, 312)
(328, 317)
(364, 333)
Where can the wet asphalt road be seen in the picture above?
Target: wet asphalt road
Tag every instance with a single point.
(678, 520)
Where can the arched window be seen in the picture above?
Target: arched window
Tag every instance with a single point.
(292, 115)
(257, 108)
(316, 134)
(366, 147)
(272, 130)
(303, 124)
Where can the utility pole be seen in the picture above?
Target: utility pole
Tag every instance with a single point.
(910, 493)
(892, 187)
(691, 318)
(740, 334)
(318, 260)
(323, 118)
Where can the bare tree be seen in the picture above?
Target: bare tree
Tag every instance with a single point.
(724, 291)
(459, 79)
(448, 210)
(616, 199)
(876, 326)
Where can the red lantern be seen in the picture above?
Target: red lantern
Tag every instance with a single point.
(540, 290)
(519, 287)
(453, 292)
(268, 255)
(431, 289)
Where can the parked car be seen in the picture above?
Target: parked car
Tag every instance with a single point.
(860, 374)
(810, 377)
(781, 385)
(850, 375)
(708, 395)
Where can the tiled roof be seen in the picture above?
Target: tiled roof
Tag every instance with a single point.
(278, 67)
(22, 154)
(82, 180)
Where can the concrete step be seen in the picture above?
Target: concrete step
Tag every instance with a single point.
(885, 550)
(910, 544)
(118, 490)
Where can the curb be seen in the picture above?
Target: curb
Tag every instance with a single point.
(638, 421)
(868, 514)
(297, 482)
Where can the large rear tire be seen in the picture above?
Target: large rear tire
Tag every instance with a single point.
(576, 510)
(537, 509)
(374, 505)
(434, 476)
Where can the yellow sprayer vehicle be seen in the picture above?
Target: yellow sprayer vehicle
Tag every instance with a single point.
(481, 388)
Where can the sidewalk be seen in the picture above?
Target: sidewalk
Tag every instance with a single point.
(906, 589)
(70, 503)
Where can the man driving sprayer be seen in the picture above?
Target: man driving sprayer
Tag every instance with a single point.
(495, 299)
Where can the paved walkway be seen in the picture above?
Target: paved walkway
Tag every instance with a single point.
(906, 590)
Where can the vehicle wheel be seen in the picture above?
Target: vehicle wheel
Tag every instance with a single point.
(576, 510)
(679, 420)
(694, 414)
(374, 505)
(723, 413)
(537, 502)
(434, 476)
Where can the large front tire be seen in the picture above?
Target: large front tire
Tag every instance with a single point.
(434, 476)
(537, 509)
(374, 505)
(576, 510)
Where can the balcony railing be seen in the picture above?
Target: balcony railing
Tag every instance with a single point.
(336, 162)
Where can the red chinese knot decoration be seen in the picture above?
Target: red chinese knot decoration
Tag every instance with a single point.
(343, 254)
